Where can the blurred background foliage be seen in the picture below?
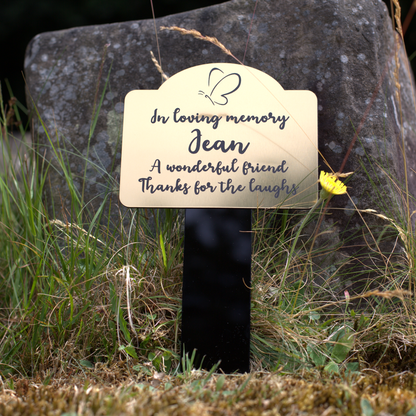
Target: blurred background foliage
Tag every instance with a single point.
(21, 20)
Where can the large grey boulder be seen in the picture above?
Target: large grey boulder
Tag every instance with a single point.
(340, 50)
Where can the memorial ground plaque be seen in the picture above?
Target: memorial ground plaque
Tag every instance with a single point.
(219, 139)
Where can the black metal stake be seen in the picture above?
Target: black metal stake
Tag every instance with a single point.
(216, 282)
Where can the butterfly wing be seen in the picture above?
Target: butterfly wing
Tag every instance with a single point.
(215, 76)
(225, 86)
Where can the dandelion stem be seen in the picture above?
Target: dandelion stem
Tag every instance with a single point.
(292, 249)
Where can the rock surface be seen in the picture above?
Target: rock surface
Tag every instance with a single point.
(340, 50)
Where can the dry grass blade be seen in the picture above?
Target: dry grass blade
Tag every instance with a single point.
(158, 67)
(65, 227)
(389, 294)
(198, 35)
(399, 229)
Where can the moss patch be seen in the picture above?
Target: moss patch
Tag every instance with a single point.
(105, 391)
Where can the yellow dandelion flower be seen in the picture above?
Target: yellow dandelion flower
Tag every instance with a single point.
(331, 185)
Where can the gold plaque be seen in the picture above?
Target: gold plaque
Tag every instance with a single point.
(219, 136)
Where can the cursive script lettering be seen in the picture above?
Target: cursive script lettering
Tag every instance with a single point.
(249, 168)
(276, 189)
(227, 186)
(260, 119)
(197, 118)
(198, 188)
(178, 187)
(156, 118)
(218, 168)
(195, 145)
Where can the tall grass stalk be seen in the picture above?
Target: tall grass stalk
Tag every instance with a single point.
(72, 295)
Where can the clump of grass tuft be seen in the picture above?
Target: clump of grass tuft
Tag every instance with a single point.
(73, 294)
(75, 299)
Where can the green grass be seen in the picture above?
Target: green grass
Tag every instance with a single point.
(74, 299)
(73, 295)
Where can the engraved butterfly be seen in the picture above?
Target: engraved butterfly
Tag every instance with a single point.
(221, 86)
